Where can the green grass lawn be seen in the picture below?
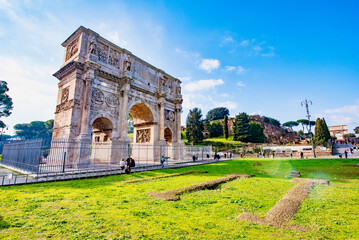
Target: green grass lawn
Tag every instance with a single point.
(109, 208)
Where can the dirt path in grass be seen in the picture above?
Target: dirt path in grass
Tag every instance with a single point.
(287, 207)
(173, 195)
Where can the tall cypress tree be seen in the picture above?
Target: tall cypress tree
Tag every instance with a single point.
(194, 127)
(319, 136)
(225, 128)
(241, 131)
(326, 130)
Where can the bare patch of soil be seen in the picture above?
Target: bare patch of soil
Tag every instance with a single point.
(174, 195)
(287, 207)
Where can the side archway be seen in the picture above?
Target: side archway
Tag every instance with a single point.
(102, 130)
(168, 136)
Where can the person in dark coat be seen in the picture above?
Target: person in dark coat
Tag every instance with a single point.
(128, 164)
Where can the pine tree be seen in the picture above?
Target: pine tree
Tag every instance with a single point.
(6, 104)
(194, 127)
(319, 136)
(225, 128)
(241, 131)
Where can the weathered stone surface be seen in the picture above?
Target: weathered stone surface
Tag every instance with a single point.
(102, 83)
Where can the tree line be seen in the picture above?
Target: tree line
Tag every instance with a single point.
(244, 129)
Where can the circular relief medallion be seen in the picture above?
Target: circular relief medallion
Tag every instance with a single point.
(112, 101)
(97, 96)
(171, 116)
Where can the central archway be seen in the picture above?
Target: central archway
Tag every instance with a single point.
(143, 124)
(145, 133)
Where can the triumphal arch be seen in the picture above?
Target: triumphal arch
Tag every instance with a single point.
(101, 85)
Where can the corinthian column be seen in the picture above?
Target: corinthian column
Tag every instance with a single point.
(178, 124)
(86, 93)
(162, 121)
(124, 115)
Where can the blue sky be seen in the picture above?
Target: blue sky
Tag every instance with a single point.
(249, 56)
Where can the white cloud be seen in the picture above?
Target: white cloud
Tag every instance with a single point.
(209, 64)
(114, 36)
(230, 68)
(203, 85)
(240, 70)
(341, 120)
(350, 109)
(257, 48)
(185, 79)
(227, 39)
(192, 56)
(240, 84)
(228, 104)
(244, 43)
(32, 89)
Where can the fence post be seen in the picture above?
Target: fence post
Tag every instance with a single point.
(202, 152)
(63, 162)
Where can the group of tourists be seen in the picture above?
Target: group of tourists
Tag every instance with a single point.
(349, 152)
(127, 165)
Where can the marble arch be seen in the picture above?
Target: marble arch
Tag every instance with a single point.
(339, 129)
(101, 79)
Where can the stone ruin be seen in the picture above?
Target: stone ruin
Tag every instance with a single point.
(100, 84)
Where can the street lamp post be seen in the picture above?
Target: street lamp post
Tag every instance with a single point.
(306, 104)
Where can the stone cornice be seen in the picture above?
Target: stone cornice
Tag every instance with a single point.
(144, 124)
(67, 69)
(142, 90)
(109, 76)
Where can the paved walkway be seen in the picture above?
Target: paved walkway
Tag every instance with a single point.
(18, 179)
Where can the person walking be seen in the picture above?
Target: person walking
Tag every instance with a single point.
(163, 160)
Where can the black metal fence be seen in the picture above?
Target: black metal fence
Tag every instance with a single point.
(61, 156)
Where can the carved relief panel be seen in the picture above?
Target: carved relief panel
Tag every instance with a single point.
(113, 58)
(143, 135)
(102, 52)
(72, 49)
(65, 94)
